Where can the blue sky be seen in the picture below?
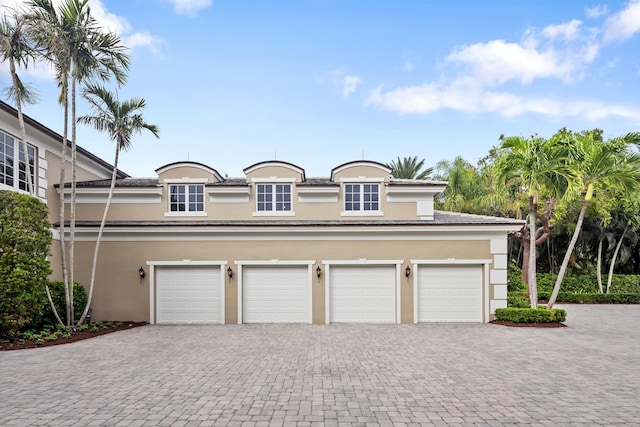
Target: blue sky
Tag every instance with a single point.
(322, 82)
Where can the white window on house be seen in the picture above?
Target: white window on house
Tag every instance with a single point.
(13, 175)
(362, 197)
(186, 198)
(273, 197)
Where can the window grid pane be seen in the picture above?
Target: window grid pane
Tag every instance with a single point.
(265, 197)
(6, 159)
(22, 176)
(352, 197)
(371, 197)
(283, 197)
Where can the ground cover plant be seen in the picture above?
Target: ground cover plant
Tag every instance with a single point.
(59, 334)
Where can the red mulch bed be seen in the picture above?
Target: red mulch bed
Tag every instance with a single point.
(76, 336)
(529, 325)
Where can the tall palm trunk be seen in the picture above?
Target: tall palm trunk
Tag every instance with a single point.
(72, 215)
(599, 264)
(615, 256)
(99, 239)
(532, 281)
(23, 130)
(572, 245)
(62, 227)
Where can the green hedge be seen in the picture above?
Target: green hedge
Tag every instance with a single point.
(531, 315)
(590, 297)
(620, 283)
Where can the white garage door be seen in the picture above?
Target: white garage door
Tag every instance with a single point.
(363, 294)
(188, 295)
(275, 294)
(450, 293)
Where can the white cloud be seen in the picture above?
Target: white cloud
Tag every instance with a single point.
(623, 24)
(347, 84)
(596, 11)
(473, 75)
(110, 22)
(569, 30)
(189, 7)
(466, 98)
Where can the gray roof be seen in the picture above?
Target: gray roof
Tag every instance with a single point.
(440, 219)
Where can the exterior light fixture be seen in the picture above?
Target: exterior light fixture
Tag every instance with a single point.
(229, 272)
(407, 271)
(318, 272)
(141, 273)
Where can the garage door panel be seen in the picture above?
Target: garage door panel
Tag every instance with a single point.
(362, 294)
(189, 295)
(450, 293)
(275, 294)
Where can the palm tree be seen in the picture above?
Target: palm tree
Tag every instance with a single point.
(595, 162)
(409, 168)
(466, 191)
(70, 38)
(16, 49)
(121, 120)
(534, 167)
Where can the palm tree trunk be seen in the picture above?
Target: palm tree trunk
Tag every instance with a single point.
(102, 225)
(72, 216)
(63, 246)
(532, 281)
(23, 130)
(599, 265)
(572, 244)
(615, 256)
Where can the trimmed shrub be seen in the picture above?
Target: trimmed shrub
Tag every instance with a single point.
(531, 315)
(24, 245)
(518, 300)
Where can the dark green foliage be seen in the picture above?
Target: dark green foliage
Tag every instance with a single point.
(513, 277)
(24, 245)
(589, 283)
(594, 298)
(531, 315)
(518, 300)
(43, 315)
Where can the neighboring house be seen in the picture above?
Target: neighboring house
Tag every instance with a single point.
(45, 152)
(190, 246)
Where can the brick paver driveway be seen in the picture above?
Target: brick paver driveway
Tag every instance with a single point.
(585, 374)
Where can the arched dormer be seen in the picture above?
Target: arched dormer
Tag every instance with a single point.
(189, 170)
(361, 168)
(274, 169)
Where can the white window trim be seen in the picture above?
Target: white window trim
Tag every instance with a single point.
(170, 213)
(185, 180)
(289, 181)
(273, 179)
(362, 212)
(17, 142)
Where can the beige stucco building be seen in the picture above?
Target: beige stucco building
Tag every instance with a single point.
(190, 246)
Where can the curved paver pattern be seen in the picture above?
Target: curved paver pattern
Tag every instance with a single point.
(440, 374)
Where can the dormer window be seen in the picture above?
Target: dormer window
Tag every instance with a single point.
(361, 197)
(186, 198)
(273, 198)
